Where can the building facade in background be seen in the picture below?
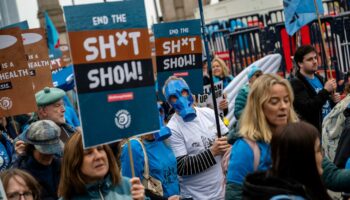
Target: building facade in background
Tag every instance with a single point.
(54, 9)
(175, 10)
(8, 12)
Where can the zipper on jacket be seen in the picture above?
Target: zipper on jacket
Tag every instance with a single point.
(99, 191)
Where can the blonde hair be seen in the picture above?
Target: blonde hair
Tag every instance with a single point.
(253, 123)
(222, 65)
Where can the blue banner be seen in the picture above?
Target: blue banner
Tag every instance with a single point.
(299, 13)
(53, 38)
(113, 69)
(63, 78)
(179, 53)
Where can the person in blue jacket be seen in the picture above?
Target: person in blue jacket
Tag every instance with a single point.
(269, 107)
(6, 151)
(161, 159)
(71, 115)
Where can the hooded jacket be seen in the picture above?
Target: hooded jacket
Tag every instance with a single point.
(261, 185)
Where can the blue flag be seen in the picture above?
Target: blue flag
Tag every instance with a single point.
(299, 13)
(53, 38)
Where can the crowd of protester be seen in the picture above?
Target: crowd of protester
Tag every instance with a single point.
(276, 151)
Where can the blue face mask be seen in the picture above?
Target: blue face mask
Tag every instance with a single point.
(183, 104)
(164, 131)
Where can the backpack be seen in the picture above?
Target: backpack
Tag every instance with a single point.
(254, 147)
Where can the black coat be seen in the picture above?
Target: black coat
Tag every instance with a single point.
(307, 103)
(47, 176)
(262, 186)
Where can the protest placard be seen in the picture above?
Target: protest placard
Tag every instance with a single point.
(206, 100)
(179, 53)
(35, 48)
(113, 70)
(63, 60)
(16, 87)
(23, 25)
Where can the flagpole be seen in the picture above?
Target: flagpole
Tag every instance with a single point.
(205, 40)
(132, 168)
(328, 59)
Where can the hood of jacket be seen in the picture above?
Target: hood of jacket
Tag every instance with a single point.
(262, 185)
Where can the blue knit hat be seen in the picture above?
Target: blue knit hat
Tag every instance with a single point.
(253, 69)
(48, 96)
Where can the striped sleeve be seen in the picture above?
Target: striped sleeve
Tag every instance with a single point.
(194, 164)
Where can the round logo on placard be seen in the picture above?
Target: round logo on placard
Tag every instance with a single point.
(122, 119)
(5, 103)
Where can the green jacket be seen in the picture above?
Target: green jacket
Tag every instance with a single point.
(334, 178)
(241, 100)
(233, 191)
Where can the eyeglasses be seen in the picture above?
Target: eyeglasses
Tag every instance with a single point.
(17, 196)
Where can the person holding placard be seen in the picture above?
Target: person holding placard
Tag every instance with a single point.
(194, 141)
(220, 73)
(93, 174)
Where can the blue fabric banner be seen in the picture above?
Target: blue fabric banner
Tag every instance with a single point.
(63, 78)
(299, 13)
(53, 38)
